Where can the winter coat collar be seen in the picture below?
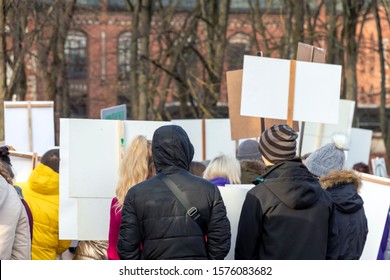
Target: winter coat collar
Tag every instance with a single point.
(338, 177)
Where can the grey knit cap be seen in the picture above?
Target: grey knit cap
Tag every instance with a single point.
(327, 158)
(278, 143)
(249, 149)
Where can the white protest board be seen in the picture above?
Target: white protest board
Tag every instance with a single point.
(67, 216)
(29, 125)
(359, 147)
(22, 165)
(375, 192)
(114, 113)
(218, 140)
(317, 135)
(194, 129)
(89, 173)
(94, 157)
(233, 196)
(265, 89)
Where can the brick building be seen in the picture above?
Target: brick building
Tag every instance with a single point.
(98, 58)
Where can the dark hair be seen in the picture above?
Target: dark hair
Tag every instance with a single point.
(197, 168)
(5, 160)
(361, 167)
(52, 159)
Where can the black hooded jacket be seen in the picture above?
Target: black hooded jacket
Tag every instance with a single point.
(153, 216)
(287, 216)
(343, 185)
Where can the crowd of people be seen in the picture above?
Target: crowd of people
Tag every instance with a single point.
(167, 206)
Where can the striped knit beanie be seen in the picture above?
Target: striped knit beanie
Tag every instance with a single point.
(278, 143)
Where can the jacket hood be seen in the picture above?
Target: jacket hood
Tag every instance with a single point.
(293, 184)
(343, 185)
(171, 149)
(44, 180)
(4, 190)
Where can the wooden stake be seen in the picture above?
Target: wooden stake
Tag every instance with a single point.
(30, 137)
(291, 93)
(203, 139)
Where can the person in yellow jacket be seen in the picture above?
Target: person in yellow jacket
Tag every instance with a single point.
(41, 192)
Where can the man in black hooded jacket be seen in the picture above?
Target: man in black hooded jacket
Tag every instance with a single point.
(287, 215)
(155, 224)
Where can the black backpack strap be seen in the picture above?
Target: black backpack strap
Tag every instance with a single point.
(192, 211)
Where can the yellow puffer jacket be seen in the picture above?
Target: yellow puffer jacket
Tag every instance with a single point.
(41, 193)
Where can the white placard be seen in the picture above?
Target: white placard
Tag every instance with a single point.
(17, 129)
(359, 147)
(194, 132)
(376, 196)
(317, 135)
(379, 166)
(218, 139)
(233, 196)
(265, 89)
(22, 165)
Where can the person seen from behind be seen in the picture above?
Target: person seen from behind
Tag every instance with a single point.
(287, 215)
(223, 170)
(136, 166)
(15, 238)
(41, 193)
(343, 185)
(252, 165)
(153, 215)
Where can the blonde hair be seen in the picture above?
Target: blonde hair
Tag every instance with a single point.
(224, 166)
(136, 166)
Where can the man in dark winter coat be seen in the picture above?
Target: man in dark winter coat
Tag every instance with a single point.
(287, 215)
(154, 217)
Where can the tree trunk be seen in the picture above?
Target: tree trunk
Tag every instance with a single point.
(382, 107)
(3, 65)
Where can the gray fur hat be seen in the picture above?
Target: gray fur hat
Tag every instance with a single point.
(327, 158)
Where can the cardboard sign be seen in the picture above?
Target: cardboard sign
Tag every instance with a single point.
(29, 125)
(266, 81)
(240, 126)
(310, 53)
(114, 113)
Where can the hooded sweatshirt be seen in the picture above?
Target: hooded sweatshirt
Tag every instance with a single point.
(287, 216)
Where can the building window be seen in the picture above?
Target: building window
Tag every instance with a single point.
(238, 46)
(76, 55)
(124, 56)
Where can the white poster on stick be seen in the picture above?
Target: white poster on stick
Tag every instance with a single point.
(359, 147)
(29, 125)
(265, 89)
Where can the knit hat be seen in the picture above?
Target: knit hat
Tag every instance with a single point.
(278, 143)
(327, 158)
(249, 149)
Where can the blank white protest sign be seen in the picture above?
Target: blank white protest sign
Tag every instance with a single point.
(265, 89)
(359, 147)
(17, 128)
(317, 135)
(375, 192)
(193, 128)
(89, 173)
(218, 138)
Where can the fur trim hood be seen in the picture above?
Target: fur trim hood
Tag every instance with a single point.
(341, 177)
(343, 186)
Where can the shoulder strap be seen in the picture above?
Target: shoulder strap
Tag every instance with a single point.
(192, 211)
